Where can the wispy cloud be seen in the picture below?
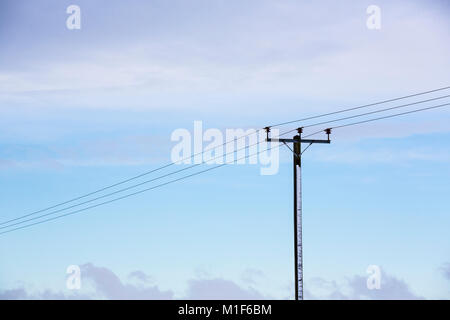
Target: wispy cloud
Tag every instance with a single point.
(271, 49)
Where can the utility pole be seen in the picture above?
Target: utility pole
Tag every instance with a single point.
(297, 161)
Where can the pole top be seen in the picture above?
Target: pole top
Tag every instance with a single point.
(300, 130)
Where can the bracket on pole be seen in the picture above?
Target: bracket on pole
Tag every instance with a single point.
(298, 156)
(309, 145)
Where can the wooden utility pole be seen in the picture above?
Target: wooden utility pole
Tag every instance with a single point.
(297, 161)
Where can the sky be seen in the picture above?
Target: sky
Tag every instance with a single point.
(83, 109)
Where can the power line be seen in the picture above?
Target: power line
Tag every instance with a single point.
(225, 143)
(216, 167)
(169, 174)
(376, 111)
(361, 107)
(134, 193)
(118, 191)
(391, 116)
(380, 118)
(367, 113)
(125, 181)
(88, 201)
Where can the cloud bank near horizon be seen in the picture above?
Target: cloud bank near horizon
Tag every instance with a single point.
(103, 283)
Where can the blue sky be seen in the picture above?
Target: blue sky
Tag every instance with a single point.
(81, 109)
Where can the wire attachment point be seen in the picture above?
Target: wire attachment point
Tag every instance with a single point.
(328, 132)
(267, 132)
